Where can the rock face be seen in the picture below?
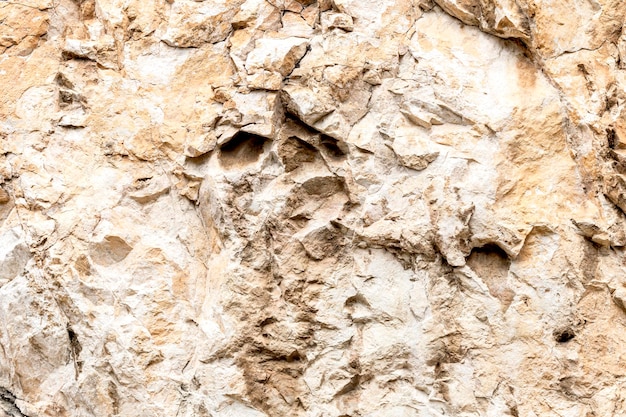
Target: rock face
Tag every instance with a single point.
(323, 208)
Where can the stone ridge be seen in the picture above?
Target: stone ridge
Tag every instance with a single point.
(312, 208)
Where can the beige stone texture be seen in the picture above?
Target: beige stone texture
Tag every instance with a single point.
(324, 208)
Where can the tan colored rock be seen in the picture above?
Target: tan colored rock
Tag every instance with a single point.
(273, 59)
(4, 196)
(312, 208)
(192, 23)
(22, 27)
(332, 20)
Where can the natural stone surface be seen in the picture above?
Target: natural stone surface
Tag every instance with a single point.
(312, 208)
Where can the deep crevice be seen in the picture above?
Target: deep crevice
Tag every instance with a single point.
(611, 138)
(75, 348)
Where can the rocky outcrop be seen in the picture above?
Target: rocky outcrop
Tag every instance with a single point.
(312, 208)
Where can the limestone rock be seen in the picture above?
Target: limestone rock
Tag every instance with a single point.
(273, 59)
(192, 23)
(312, 208)
(331, 20)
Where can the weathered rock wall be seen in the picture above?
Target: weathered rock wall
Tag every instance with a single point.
(321, 208)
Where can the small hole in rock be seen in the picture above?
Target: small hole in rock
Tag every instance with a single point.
(490, 262)
(243, 148)
(332, 146)
(563, 336)
(492, 249)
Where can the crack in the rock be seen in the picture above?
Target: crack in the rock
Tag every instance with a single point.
(8, 403)
(578, 50)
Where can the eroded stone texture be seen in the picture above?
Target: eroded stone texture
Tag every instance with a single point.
(312, 208)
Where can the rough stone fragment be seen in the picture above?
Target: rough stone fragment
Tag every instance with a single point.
(272, 59)
(22, 27)
(14, 254)
(332, 20)
(4, 196)
(192, 24)
(154, 188)
(75, 48)
(111, 249)
(615, 190)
